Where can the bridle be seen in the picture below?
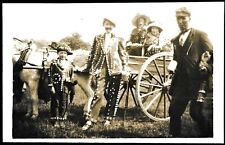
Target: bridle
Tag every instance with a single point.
(25, 52)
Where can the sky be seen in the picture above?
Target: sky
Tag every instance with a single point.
(53, 22)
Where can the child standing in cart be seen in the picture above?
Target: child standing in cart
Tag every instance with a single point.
(137, 37)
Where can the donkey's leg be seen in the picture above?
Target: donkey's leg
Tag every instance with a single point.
(27, 95)
(33, 86)
(84, 81)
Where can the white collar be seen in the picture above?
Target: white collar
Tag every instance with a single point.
(183, 37)
(186, 32)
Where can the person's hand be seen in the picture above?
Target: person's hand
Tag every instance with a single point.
(150, 48)
(137, 45)
(154, 49)
(129, 44)
(52, 90)
(125, 74)
(94, 72)
(201, 97)
(203, 65)
(172, 66)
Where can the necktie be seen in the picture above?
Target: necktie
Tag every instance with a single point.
(182, 37)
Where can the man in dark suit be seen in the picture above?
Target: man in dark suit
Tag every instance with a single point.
(189, 46)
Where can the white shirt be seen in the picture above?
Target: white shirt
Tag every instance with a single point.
(107, 41)
(183, 37)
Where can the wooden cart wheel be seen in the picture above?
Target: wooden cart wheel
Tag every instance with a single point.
(152, 86)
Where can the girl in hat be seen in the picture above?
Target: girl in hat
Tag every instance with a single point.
(135, 44)
(154, 42)
(60, 81)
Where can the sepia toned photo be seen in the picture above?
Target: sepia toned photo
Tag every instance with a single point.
(113, 72)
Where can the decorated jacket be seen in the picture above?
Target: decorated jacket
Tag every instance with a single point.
(115, 56)
(60, 72)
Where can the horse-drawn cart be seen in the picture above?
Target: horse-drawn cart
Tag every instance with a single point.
(148, 84)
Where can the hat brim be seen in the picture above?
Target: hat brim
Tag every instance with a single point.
(146, 18)
(182, 14)
(160, 29)
(155, 24)
(105, 19)
(68, 52)
(51, 46)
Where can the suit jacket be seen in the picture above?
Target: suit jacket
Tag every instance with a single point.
(188, 58)
(115, 57)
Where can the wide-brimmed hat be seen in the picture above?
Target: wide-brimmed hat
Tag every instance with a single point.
(61, 47)
(109, 20)
(138, 16)
(53, 45)
(155, 24)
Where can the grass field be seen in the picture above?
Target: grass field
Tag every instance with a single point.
(135, 125)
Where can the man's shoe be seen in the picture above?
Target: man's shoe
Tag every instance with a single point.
(87, 126)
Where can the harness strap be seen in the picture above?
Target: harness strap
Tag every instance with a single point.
(24, 55)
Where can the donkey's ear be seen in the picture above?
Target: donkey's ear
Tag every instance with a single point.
(47, 51)
(14, 38)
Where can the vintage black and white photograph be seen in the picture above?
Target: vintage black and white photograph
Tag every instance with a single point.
(113, 72)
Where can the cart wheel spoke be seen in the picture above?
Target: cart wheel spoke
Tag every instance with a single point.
(133, 95)
(134, 76)
(153, 77)
(168, 96)
(147, 84)
(156, 109)
(150, 104)
(150, 93)
(157, 69)
(164, 68)
(124, 90)
(164, 102)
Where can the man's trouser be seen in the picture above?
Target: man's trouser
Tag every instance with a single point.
(96, 104)
(112, 96)
(181, 96)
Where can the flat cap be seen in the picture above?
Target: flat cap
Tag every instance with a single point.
(183, 11)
